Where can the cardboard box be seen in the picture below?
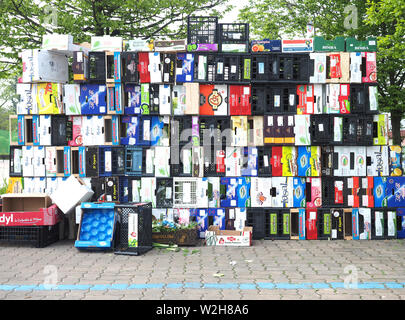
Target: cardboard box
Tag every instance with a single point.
(377, 161)
(297, 229)
(213, 100)
(93, 130)
(133, 99)
(77, 190)
(213, 192)
(351, 161)
(380, 129)
(28, 210)
(138, 44)
(383, 224)
(80, 66)
(28, 102)
(302, 130)
(155, 67)
(178, 100)
(297, 45)
(76, 125)
(282, 192)
(93, 99)
(170, 45)
(192, 98)
(305, 99)
(260, 192)
(299, 192)
(115, 98)
(34, 185)
(233, 160)
(88, 162)
(160, 131)
(255, 131)
(239, 100)
(361, 223)
(249, 161)
(239, 126)
(395, 161)
(265, 45)
(228, 188)
(15, 161)
(323, 45)
(379, 192)
(319, 69)
(49, 98)
(185, 67)
(401, 223)
(314, 193)
(71, 99)
(106, 43)
(162, 161)
(395, 192)
(354, 45)
(338, 67)
(370, 61)
(289, 161)
(276, 161)
(100, 233)
(216, 237)
(44, 66)
(62, 43)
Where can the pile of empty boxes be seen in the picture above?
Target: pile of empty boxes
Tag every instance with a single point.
(274, 139)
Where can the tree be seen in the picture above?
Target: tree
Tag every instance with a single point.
(383, 19)
(23, 22)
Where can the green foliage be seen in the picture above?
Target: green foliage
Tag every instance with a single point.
(24, 22)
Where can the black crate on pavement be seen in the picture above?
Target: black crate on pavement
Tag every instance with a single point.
(140, 215)
(260, 221)
(38, 236)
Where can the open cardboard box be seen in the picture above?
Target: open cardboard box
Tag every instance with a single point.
(216, 237)
(70, 193)
(32, 209)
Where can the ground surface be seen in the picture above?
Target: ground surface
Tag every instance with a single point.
(268, 270)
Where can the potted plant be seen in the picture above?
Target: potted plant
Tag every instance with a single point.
(175, 232)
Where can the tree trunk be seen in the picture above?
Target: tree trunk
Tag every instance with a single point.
(396, 127)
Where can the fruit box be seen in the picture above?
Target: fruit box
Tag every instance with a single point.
(97, 226)
(213, 100)
(265, 45)
(314, 193)
(318, 74)
(377, 161)
(44, 66)
(216, 237)
(185, 67)
(282, 192)
(354, 45)
(299, 185)
(395, 192)
(27, 103)
(297, 45)
(323, 45)
(49, 98)
(106, 43)
(361, 223)
(93, 99)
(28, 210)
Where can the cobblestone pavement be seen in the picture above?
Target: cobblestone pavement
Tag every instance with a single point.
(267, 270)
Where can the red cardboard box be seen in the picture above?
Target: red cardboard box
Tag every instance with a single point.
(28, 210)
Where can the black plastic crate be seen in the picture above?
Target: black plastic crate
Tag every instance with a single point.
(178, 164)
(350, 130)
(201, 30)
(205, 67)
(358, 98)
(260, 221)
(383, 233)
(118, 160)
(233, 34)
(124, 189)
(102, 160)
(97, 66)
(279, 224)
(92, 162)
(15, 161)
(260, 96)
(38, 236)
(59, 130)
(98, 187)
(214, 161)
(164, 192)
(169, 67)
(142, 219)
(327, 161)
(135, 161)
(154, 99)
(215, 131)
(280, 67)
(181, 130)
(264, 161)
(129, 62)
(324, 223)
(282, 99)
(321, 129)
(332, 195)
(365, 128)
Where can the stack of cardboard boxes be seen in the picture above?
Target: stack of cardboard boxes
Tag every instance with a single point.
(283, 136)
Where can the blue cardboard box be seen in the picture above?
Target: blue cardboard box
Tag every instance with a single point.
(137, 130)
(93, 99)
(395, 194)
(380, 192)
(97, 226)
(159, 135)
(249, 161)
(299, 199)
(401, 223)
(185, 67)
(265, 45)
(361, 223)
(133, 99)
(303, 161)
(229, 189)
(218, 217)
(201, 216)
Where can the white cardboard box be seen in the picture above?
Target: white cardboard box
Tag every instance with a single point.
(70, 193)
(216, 237)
